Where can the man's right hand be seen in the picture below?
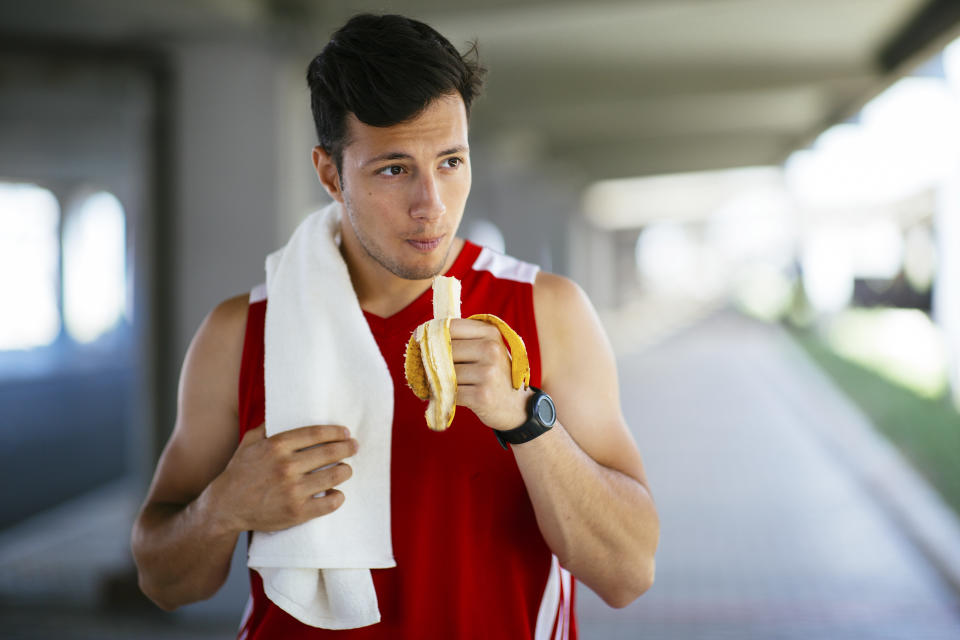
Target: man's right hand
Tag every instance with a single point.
(207, 490)
(284, 480)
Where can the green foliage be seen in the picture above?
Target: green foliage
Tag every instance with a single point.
(925, 430)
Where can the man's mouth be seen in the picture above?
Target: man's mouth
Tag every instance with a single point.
(425, 244)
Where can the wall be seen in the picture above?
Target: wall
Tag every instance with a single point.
(75, 121)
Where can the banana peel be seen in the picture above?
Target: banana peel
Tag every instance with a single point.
(519, 363)
(429, 365)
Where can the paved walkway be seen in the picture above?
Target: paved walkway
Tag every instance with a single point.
(765, 531)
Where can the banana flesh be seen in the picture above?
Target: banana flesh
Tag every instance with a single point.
(429, 359)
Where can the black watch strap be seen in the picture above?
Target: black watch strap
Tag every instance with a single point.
(541, 416)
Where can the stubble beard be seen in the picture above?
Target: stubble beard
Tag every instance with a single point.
(380, 257)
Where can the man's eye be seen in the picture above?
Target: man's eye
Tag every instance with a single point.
(453, 163)
(392, 170)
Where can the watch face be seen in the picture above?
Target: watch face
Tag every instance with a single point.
(546, 412)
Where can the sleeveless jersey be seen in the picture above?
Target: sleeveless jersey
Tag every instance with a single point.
(471, 562)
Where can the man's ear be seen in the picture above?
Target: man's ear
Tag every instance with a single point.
(327, 173)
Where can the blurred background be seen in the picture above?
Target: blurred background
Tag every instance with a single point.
(759, 196)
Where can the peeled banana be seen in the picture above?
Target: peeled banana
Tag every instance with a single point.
(429, 360)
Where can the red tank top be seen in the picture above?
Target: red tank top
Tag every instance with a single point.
(471, 562)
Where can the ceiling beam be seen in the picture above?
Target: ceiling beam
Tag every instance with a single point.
(578, 119)
(934, 22)
(535, 85)
(696, 153)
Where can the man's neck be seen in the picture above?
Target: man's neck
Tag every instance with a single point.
(379, 291)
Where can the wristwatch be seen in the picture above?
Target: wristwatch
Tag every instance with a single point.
(541, 415)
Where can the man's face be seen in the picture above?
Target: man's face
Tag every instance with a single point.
(404, 188)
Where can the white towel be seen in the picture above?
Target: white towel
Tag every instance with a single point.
(323, 366)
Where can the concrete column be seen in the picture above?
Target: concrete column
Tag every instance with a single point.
(226, 177)
(300, 191)
(946, 288)
(946, 292)
(593, 262)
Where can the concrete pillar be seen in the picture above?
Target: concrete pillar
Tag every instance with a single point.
(300, 191)
(626, 283)
(946, 293)
(226, 178)
(593, 262)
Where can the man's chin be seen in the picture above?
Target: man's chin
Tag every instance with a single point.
(419, 272)
(425, 271)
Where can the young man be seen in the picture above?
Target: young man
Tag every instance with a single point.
(483, 538)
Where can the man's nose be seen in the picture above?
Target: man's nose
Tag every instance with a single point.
(427, 203)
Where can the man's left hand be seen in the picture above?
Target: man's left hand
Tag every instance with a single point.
(482, 364)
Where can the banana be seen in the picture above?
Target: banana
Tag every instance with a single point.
(429, 359)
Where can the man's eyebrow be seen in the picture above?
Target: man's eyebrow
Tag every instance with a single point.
(460, 148)
(398, 155)
(391, 155)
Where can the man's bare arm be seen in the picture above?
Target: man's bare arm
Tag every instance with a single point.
(585, 476)
(181, 546)
(207, 489)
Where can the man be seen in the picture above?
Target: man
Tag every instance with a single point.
(483, 538)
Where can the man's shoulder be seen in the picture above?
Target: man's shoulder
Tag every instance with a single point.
(563, 311)
(226, 324)
(230, 312)
(555, 291)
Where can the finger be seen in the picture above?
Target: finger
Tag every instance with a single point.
(312, 435)
(463, 329)
(326, 479)
(322, 505)
(472, 373)
(477, 350)
(312, 458)
(470, 395)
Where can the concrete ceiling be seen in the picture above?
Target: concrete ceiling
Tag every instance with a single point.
(609, 89)
(651, 87)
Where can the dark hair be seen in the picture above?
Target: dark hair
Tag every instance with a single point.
(385, 70)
